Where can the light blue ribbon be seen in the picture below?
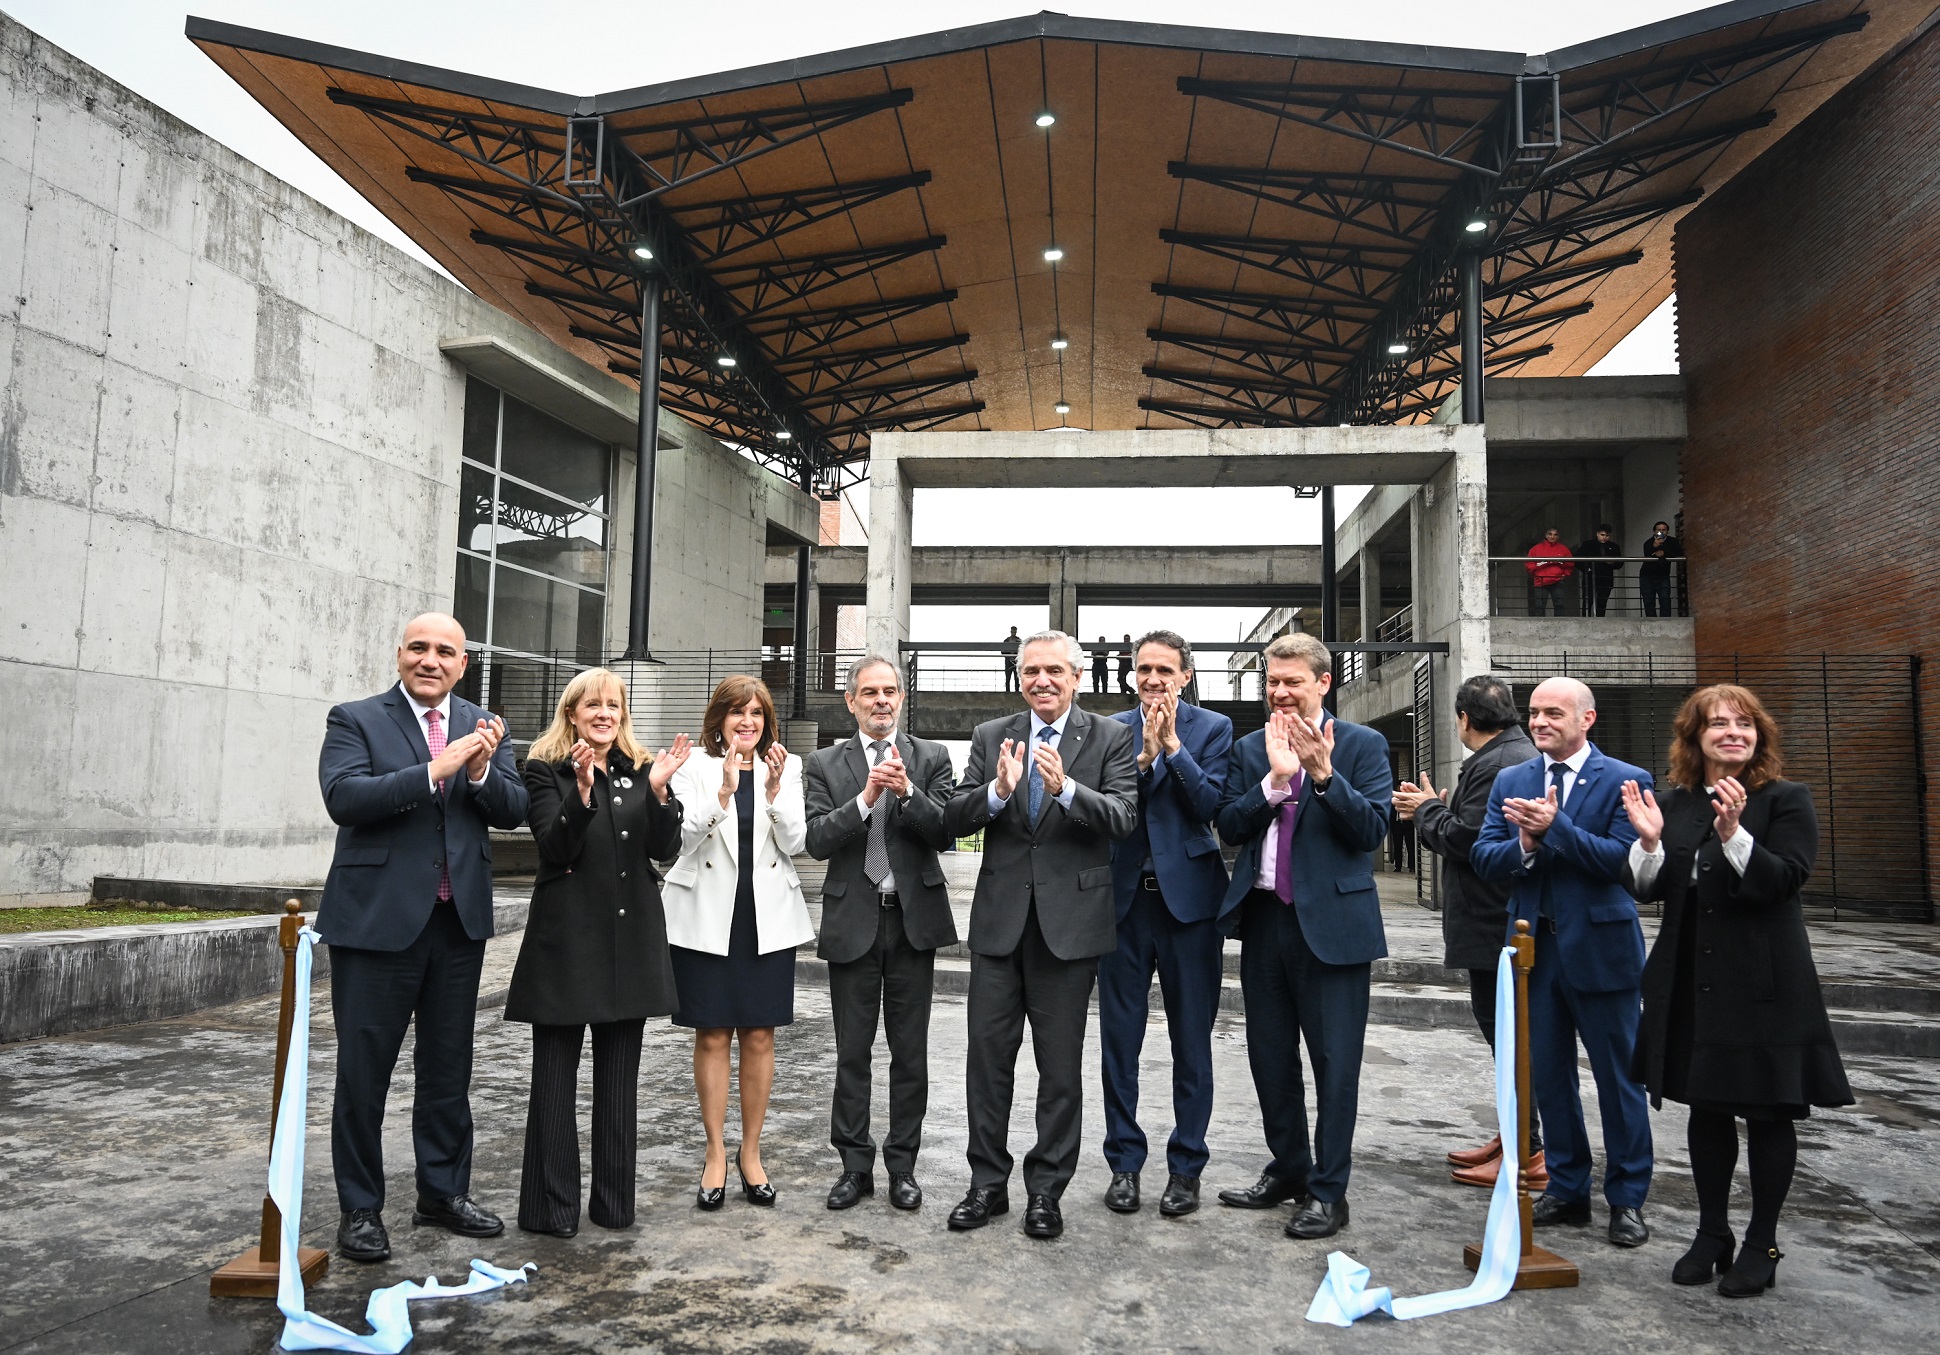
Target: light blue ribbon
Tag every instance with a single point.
(1344, 1296)
(386, 1312)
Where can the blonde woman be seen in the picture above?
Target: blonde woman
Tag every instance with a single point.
(595, 947)
(735, 915)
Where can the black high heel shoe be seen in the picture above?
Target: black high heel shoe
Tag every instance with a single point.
(763, 1194)
(1710, 1255)
(1755, 1271)
(710, 1198)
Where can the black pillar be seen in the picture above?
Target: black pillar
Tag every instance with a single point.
(1329, 588)
(637, 642)
(1472, 336)
(801, 619)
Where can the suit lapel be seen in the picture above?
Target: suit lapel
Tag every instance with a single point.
(732, 837)
(1592, 768)
(856, 761)
(407, 720)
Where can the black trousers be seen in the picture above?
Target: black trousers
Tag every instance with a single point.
(892, 978)
(1481, 1001)
(549, 1178)
(1031, 984)
(1291, 993)
(374, 997)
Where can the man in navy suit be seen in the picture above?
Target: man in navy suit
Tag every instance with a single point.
(1167, 885)
(1556, 828)
(1307, 803)
(414, 779)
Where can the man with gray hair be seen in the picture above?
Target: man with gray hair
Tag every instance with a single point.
(1557, 831)
(1052, 788)
(875, 814)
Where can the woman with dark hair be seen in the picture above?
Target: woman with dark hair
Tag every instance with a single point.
(734, 916)
(1734, 1024)
(595, 947)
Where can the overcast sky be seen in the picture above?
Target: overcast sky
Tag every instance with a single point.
(584, 51)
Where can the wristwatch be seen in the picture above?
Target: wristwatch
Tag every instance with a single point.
(1321, 783)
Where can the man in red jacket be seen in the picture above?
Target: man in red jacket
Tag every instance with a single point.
(1548, 573)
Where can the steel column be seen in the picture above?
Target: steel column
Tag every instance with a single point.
(800, 669)
(1329, 585)
(1472, 375)
(638, 646)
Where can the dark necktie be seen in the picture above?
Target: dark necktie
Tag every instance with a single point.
(1283, 844)
(1557, 771)
(1036, 801)
(875, 857)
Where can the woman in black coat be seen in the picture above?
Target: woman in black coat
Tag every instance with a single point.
(1734, 1024)
(595, 946)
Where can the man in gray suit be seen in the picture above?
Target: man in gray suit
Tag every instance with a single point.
(1051, 787)
(875, 814)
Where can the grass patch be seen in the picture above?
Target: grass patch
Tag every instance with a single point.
(71, 919)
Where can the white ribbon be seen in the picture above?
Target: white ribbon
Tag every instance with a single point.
(1344, 1296)
(386, 1312)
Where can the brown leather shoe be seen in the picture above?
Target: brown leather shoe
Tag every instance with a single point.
(1485, 1174)
(1475, 1157)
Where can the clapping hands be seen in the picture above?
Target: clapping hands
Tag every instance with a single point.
(888, 775)
(665, 763)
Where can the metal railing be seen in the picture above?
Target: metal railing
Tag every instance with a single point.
(1609, 586)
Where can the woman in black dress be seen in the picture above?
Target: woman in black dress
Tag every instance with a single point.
(594, 951)
(1734, 1024)
(734, 916)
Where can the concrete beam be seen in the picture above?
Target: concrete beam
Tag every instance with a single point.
(1172, 457)
(1247, 571)
(794, 517)
(595, 404)
(1579, 410)
(892, 505)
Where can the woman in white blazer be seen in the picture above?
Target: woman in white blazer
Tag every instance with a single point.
(734, 917)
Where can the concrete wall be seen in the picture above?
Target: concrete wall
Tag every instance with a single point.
(228, 471)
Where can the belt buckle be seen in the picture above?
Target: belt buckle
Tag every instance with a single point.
(1149, 883)
(887, 899)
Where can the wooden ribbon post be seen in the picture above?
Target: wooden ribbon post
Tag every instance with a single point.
(1538, 1267)
(253, 1275)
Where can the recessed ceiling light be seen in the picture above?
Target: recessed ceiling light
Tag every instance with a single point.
(1046, 118)
(1061, 407)
(725, 360)
(1060, 342)
(783, 435)
(642, 250)
(1397, 348)
(1053, 254)
(1477, 226)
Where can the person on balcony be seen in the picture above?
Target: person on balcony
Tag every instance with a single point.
(1654, 574)
(1101, 667)
(1547, 573)
(1599, 578)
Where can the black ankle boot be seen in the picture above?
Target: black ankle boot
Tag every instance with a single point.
(1709, 1256)
(1755, 1271)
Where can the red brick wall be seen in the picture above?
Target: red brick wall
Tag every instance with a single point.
(1809, 335)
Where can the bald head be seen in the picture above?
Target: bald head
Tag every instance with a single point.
(431, 657)
(1561, 712)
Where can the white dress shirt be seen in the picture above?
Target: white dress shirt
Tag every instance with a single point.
(996, 802)
(419, 709)
(1573, 767)
(1645, 865)
(888, 882)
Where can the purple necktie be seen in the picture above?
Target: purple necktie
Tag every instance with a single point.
(1283, 845)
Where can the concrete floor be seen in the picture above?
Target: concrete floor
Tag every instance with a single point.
(131, 1161)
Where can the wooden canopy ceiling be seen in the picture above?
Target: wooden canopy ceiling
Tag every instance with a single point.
(1257, 229)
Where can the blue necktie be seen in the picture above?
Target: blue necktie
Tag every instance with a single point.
(1036, 803)
(1557, 771)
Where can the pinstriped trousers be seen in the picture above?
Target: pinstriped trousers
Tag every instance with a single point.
(549, 1180)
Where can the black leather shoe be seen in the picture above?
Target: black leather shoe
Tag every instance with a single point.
(979, 1206)
(1268, 1191)
(569, 1230)
(1548, 1211)
(460, 1215)
(1318, 1218)
(1181, 1196)
(361, 1236)
(904, 1193)
(1121, 1196)
(1755, 1271)
(1043, 1218)
(1627, 1227)
(1710, 1255)
(763, 1194)
(849, 1188)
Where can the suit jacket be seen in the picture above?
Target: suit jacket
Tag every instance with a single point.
(595, 944)
(837, 833)
(1475, 911)
(1578, 872)
(1064, 863)
(1335, 837)
(699, 889)
(1177, 798)
(395, 833)
(1758, 1032)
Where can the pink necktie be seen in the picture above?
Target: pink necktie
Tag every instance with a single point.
(434, 739)
(1283, 842)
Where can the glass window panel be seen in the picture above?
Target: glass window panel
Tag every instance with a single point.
(468, 606)
(544, 451)
(481, 421)
(592, 626)
(522, 612)
(541, 532)
(522, 693)
(475, 509)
